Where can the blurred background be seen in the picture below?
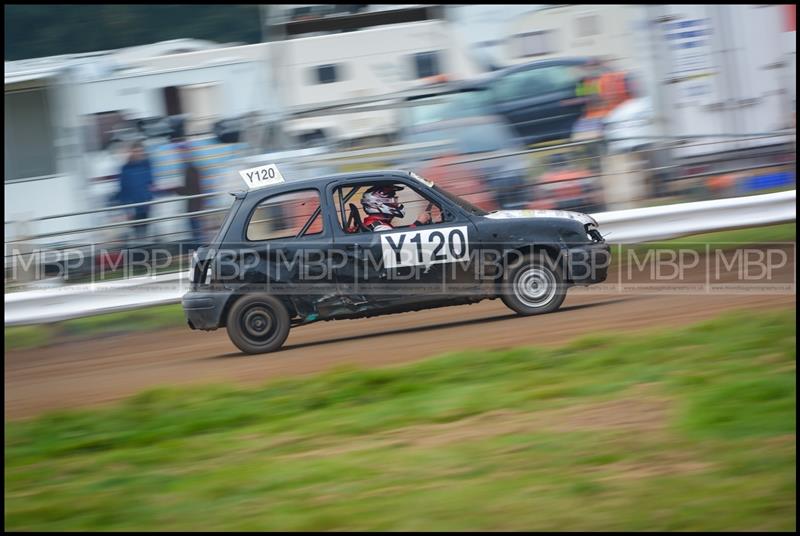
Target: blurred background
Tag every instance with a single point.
(578, 107)
(661, 399)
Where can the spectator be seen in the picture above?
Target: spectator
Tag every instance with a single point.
(191, 186)
(602, 89)
(136, 185)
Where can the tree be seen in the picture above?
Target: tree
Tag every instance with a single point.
(45, 30)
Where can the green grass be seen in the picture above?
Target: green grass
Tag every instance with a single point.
(771, 235)
(672, 430)
(148, 318)
(786, 232)
(21, 337)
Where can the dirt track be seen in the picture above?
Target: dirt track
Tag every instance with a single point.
(103, 370)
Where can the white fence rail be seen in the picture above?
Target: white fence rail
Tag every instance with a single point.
(668, 221)
(624, 226)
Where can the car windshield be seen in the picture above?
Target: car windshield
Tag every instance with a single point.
(447, 106)
(466, 205)
(473, 138)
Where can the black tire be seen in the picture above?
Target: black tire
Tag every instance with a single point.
(533, 285)
(258, 323)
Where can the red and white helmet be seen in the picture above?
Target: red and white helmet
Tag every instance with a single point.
(383, 200)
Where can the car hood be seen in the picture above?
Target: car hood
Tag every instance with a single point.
(558, 214)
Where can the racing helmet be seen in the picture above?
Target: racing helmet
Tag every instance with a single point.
(382, 200)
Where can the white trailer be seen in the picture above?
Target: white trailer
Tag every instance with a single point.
(364, 64)
(568, 31)
(717, 70)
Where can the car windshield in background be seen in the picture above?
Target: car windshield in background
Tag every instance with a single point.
(468, 139)
(448, 106)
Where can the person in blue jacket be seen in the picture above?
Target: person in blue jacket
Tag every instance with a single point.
(136, 186)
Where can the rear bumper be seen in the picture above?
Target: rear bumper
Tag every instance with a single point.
(588, 264)
(203, 309)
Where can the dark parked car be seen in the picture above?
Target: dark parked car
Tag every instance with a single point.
(537, 99)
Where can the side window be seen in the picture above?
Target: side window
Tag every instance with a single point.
(514, 86)
(326, 74)
(538, 43)
(285, 216)
(426, 64)
(552, 79)
(470, 103)
(587, 25)
(535, 82)
(570, 75)
(414, 205)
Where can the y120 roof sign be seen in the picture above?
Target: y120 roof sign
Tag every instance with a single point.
(262, 176)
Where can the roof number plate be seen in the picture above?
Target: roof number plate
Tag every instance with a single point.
(262, 176)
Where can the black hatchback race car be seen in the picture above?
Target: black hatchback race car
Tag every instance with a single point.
(373, 243)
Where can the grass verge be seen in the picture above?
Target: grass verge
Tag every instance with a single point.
(690, 429)
(771, 235)
(148, 318)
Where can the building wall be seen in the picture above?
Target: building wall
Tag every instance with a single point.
(574, 30)
(143, 92)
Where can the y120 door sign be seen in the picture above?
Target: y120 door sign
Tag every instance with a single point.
(435, 246)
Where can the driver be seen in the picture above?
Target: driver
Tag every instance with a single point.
(382, 205)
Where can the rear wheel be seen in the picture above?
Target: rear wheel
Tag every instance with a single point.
(534, 286)
(258, 324)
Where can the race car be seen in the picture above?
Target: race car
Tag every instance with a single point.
(290, 253)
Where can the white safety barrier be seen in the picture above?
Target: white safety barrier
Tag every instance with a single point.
(669, 221)
(624, 226)
(75, 301)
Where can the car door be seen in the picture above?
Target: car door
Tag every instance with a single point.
(282, 244)
(404, 265)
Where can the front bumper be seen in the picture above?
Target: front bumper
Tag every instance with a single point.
(588, 264)
(203, 309)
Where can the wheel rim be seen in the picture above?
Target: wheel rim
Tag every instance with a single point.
(258, 323)
(535, 286)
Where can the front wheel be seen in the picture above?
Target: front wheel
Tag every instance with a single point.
(258, 324)
(534, 286)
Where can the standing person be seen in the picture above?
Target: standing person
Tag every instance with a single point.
(191, 186)
(589, 91)
(136, 185)
(602, 90)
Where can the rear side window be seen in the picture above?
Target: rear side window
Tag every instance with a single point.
(286, 216)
